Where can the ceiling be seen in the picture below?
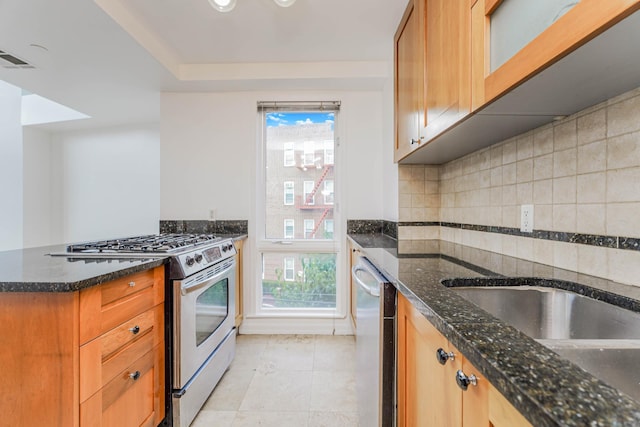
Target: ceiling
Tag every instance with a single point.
(110, 59)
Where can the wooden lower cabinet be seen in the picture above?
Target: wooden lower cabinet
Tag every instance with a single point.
(88, 358)
(428, 394)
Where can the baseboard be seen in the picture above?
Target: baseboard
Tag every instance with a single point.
(277, 326)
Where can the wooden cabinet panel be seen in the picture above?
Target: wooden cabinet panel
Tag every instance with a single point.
(447, 64)
(475, 406)
(502, 413)
(409, 79)
(120, 288)
(581, 23)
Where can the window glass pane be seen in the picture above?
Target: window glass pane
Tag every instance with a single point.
(288, 193)
(328, 228)
(212, 307)
(306, 142)
(309, 228)
(288, 229)
(299, 280)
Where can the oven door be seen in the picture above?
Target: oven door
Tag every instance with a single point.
(203, 317)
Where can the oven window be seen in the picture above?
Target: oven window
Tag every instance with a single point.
(212, 307)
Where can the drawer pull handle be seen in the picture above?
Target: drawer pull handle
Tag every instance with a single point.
(134, 375)
(443, 356)
(464, 381)
(135, 329)
(132, 284)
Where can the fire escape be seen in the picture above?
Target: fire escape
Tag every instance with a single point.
(307, 202)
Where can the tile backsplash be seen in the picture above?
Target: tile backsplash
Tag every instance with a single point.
(581, 173)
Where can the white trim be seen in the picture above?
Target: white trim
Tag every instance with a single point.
(297, 325)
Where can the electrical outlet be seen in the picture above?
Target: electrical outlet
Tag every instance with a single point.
(526, 218)
(213, 213)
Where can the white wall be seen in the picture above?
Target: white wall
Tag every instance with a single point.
(106, 182)
(10, 167)
(389, 168)
(209, 143)
(39, 219)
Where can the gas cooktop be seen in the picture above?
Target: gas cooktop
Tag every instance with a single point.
(154, 243)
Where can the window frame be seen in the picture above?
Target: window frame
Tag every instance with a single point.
(293, 228)
(289, 151)
(293, 193)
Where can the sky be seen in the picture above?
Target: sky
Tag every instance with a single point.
(291, 119)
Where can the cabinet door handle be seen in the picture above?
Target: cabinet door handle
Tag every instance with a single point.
(442, 356)
(135, 329)
(132, 284)
(463, 381)
(414, 141)
(134, 375)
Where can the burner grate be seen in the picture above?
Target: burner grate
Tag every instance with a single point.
(161, 243)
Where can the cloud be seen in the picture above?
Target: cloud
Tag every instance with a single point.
(329, 121)
(304, 122)
(278, 119)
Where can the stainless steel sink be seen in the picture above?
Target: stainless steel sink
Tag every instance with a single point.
(601, 338)
(547, 313)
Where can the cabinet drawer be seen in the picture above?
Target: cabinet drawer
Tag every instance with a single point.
(127, 400)
(103, 358)
(124, 286)
(105, 307)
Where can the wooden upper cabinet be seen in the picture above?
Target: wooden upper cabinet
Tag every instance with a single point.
(409, 79)
(447, 64)
(505, 52)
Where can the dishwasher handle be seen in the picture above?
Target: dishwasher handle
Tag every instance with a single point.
(365, 266)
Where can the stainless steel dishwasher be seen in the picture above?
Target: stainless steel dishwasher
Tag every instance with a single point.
(375, 345)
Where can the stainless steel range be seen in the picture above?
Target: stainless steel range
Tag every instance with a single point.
(202, 273)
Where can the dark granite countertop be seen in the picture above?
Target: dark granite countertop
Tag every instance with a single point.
(546, 388)
(32, 270)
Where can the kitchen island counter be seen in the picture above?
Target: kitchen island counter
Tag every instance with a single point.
(546, 388)
(33, 270)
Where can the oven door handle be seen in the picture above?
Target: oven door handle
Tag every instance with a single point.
(199, 285)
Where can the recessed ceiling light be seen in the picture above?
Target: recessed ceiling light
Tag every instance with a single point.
(223, 5)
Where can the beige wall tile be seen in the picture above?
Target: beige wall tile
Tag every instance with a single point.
(496, 176)
(524, 193)
(496, 196)
(564, 218)
(565, 255)
(448, 200)
(593, 260)
(496, 155)
(509, 195)
(565, 135)
(404, 200)
(525, 146)
(416, 187)
(432, 173)
(484, 178)
(623, 219)
(511, 216)
(524, 170)
(543, 140)
(432, 200)
(622, 117)
(592, 157)
(525, 248)
(591, 219)
(564, 190)
(417, 173)
(624, 151)
(484, 159)
(509, 245)
(543, 167)
(404, 214)
(564, 162)
(404, 172)
(509, 152)
(418, 201)
(543, 217)
(543, 192)
(543, 251)
(592, 188)
(592, 127)
(509, 174)
(622, 185)
(404, 187)
(624, 266)
(431, 187)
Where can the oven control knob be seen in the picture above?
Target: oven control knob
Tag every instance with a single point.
(189, 261)
(224, 248)
(198, 258)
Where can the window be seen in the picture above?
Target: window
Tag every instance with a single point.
(289, 269)
(298, 277)
(328, 192)
(309, 225)
(288, 192)
(328, 152)
(289, 154)
(309, 153)
(309, 197)
(328, 229)
(288, 229)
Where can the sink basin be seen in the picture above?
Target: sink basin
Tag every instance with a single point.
(547, 313)
(601, 338)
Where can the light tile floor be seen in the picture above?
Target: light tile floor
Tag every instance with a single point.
(286, 381)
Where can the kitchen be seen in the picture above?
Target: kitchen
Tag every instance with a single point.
(61, 204)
